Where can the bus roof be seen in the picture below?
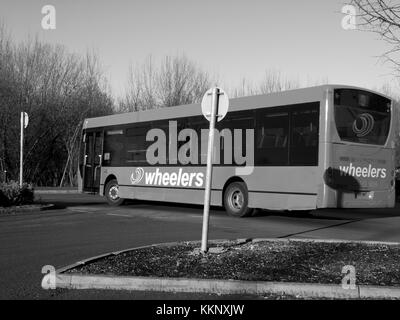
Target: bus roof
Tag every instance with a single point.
(303, 95)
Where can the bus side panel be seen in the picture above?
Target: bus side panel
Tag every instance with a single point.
(283, 188)
(187, 196)
(275, 188)
(279, 201)
(291, 188)
(160, 191)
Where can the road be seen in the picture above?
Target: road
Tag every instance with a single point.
(82, 226)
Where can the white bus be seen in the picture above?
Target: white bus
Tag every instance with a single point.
(329, 146)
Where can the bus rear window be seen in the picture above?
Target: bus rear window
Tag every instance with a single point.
(361, 116)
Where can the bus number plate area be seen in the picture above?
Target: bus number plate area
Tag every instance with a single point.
(367, 195)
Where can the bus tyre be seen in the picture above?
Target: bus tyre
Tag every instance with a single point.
(236, 200)
(112, 193)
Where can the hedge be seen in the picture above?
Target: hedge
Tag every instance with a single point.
(11, 194)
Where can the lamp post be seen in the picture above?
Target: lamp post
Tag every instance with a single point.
(24, 124)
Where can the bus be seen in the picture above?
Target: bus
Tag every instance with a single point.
(329, 146)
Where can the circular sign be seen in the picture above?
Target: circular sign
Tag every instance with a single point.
(223, 104)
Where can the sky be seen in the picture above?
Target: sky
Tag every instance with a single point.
(230, 39)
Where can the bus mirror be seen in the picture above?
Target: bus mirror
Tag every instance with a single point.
(84, 138)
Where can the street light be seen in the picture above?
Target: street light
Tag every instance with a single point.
(24, 124)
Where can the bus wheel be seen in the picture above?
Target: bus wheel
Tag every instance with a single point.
(112, 193)
(236, 200)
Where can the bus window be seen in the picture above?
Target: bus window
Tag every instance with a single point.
(272, 138)
(239, 120)
(113, 146)
(361, 116)
(304, 137)
(136, 144)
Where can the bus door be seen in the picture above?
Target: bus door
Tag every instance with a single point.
(92, 161)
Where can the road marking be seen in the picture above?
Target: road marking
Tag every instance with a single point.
(87, 209)
(119, 215)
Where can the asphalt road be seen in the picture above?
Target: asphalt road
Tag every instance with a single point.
(82, 226)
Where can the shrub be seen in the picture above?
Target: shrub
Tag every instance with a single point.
(11, 194)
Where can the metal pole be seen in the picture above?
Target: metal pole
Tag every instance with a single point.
(21, 159)
(207, 193)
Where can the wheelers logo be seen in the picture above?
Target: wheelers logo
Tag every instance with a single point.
(364, 172)
(363, 124)
(139, 176)
(173, 179)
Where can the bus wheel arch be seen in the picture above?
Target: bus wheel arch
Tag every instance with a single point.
(109, 178)
(111, 189)
(235, 197)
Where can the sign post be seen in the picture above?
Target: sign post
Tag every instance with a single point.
(24, 124)
(213, 109)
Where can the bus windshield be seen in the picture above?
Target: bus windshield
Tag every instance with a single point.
(361, 116)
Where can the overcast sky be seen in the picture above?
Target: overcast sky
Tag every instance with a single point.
(229, 38)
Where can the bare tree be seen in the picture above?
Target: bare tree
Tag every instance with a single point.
(383, 18)
(141, 90)
(388, 90)
(180, 81)
(7, 90)
(93, 100)
(133, 95)
(176, 81)
(273, 81)
(245, 88)
(58, 90)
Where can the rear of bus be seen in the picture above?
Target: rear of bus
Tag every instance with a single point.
(359, 169)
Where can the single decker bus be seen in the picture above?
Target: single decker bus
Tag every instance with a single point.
(329, 146)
